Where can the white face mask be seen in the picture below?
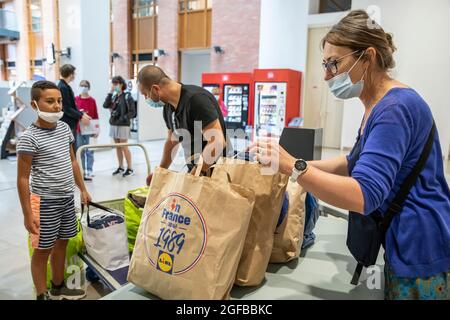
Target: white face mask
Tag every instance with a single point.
(342, 86)
(50, 117)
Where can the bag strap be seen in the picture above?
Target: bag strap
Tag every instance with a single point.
(99, 206)
(399, 200)
(95, 205)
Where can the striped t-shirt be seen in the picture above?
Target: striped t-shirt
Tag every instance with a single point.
(51, 170)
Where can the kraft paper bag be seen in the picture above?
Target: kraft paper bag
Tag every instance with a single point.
(269, 194)
(288, 239)
(191, 236)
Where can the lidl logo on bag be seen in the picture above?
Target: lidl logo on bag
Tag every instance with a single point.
(175, 230)
(165, 262)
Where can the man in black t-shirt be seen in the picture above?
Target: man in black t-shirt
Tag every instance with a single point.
(192, 116)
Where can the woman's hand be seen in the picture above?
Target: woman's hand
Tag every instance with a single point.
(269, 153)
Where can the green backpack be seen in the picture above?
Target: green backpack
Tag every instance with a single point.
(134, 207)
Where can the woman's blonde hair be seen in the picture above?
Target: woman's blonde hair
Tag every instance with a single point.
(359, 32)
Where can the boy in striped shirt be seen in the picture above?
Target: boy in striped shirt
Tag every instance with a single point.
(45, 155)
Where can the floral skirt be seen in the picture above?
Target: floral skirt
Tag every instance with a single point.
(433, 288)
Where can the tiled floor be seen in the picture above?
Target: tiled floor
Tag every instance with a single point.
(15, 278)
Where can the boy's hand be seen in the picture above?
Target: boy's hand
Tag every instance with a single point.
(31, 225)
(85, 198)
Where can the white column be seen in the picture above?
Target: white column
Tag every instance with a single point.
(284, 34)
(84, 27)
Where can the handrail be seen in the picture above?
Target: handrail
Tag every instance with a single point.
(114, 145)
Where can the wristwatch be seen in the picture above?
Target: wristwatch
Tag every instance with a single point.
(300, 167)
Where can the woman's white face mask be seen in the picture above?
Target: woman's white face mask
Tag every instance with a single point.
(342, 86)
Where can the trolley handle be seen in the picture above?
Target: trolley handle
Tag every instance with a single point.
(114, 146)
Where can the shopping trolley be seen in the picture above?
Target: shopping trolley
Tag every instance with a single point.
(118, 278)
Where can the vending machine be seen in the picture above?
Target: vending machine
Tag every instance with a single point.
(234, 91)
(277, 100)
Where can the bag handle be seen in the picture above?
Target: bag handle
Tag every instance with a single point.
(221, 175)
(95, 205)
(82, 213)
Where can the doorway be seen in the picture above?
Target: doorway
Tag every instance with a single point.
(322, 109)
(193, 64)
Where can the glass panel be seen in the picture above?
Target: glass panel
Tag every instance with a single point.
(328, 6)
(12, 74)
(143, 3)
(209, 4)
(38, 71)
(182, 5)
(36, 14)
(144, 8)
(196, 5)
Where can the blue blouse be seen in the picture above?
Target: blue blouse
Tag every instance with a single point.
(418, 240)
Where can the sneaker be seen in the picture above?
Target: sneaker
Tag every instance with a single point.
(87, 178)
(44, 296)
(90, 174)
(64, 293)
(118, 171)
(128, 173)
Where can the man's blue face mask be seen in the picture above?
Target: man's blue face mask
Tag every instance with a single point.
(154, 104)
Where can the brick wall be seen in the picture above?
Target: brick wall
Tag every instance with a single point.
(121, 30)
(168, 36)
(235, 27)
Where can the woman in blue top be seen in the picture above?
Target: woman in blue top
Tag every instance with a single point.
(358, 55)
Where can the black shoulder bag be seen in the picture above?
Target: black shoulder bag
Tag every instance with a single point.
(366, 234)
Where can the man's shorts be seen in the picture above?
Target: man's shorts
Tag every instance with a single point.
(56, 220)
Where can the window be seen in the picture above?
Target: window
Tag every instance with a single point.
(192, 5)
(327, 6)
(36, 15)
(11, 71)
(145, 8)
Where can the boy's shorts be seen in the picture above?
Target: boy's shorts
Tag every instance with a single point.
(56, 220)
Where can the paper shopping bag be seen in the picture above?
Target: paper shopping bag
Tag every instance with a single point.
(269, 192)
(191, 236)
(289, 235)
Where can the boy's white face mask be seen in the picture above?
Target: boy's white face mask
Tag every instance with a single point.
(50, 117)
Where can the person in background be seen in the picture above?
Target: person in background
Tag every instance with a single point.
(86, 104)
(216, 92)
(123, 110)
(72, 116)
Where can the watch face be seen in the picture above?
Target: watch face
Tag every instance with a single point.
(301, 165)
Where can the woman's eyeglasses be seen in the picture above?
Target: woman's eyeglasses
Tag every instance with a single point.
(332, 65)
